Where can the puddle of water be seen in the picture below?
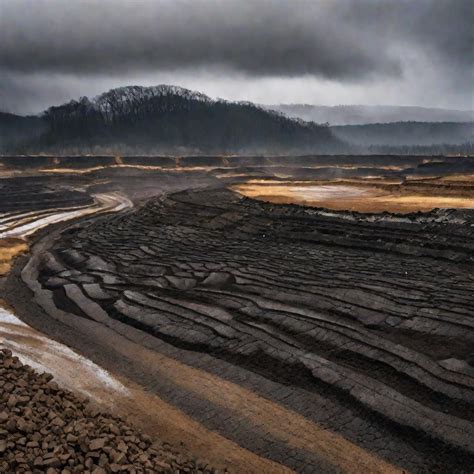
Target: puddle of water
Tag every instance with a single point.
(323, 192)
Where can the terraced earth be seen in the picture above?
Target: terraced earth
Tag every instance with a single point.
(299, 339)
(362, 326)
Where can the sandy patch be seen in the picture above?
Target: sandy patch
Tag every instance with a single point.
(9, 249)
(356, 197)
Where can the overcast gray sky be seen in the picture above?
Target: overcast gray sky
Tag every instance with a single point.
(329, 52)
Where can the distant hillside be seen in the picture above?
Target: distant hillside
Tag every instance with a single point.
(176, 121)
(170, 119)
(406, 133)
(366, 114)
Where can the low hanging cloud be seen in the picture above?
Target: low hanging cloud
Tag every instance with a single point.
(348, 42)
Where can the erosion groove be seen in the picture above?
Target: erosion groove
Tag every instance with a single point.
(361, 324)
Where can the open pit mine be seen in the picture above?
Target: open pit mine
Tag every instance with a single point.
(260, 314)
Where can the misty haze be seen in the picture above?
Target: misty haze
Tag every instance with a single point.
(236, 237)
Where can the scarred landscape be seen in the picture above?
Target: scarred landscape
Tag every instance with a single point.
(236, 237)
(270, 333)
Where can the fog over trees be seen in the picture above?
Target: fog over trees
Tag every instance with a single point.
(368, 114)
(174, 120)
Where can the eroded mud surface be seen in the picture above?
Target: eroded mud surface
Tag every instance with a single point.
(359, 324)
(261, 337)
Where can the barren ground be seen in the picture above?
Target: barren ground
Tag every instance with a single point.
(262, 337)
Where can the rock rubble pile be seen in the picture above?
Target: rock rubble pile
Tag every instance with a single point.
(44, 428)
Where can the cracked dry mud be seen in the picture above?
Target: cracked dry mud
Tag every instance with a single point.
(319, 340)
(259, 337)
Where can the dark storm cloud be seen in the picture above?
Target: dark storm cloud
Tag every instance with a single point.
(340, 40)
(262, 38)
(334, 39)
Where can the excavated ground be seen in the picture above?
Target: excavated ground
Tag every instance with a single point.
(360, 325)
(267, 338)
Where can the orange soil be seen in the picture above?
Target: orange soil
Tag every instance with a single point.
(9, 249)
(358, 196)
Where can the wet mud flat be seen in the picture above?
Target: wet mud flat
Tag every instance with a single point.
(354, 331)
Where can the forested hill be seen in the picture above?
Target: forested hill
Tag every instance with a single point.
(16, 128)
(172, 119)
